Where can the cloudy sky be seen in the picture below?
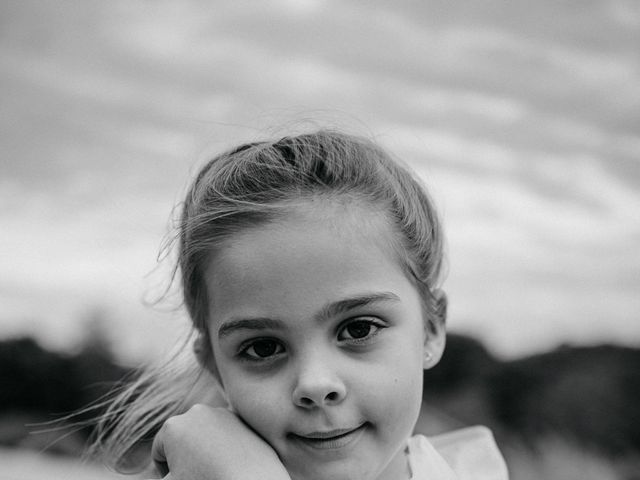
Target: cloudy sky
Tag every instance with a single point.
(523, 118)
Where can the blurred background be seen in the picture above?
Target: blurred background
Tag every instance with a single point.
(522, 117)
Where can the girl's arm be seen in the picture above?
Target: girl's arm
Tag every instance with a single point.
(213, 443)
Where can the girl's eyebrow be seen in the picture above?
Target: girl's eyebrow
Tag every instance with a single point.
(343, 306)
(329, 311)
(249, 324)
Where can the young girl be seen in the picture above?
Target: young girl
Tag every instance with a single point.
(310, 268)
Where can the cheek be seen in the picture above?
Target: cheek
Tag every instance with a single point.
(258, 399)
(396, 392)
(259, 403)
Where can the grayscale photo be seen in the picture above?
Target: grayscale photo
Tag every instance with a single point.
(320, 240)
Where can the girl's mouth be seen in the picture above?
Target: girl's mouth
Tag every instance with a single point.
(332, 439)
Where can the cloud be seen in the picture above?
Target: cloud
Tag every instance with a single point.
(539, 243)
(524, 134)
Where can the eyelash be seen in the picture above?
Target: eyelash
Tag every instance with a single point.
(246, 346)
(369, 322)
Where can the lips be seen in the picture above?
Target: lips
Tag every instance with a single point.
(331, 439)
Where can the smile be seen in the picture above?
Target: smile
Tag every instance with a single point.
(332, 439)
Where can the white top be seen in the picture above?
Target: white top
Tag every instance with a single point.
(466, 454)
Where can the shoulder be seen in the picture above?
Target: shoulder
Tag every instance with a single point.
(471, 453)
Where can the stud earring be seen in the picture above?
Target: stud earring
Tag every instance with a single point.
(427, 358)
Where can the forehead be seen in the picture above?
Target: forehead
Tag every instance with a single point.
(339, 216)
(311, 247)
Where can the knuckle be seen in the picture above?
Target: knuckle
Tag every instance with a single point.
(199, 409)
(172, 425)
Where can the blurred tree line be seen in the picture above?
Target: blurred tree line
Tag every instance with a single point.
(39, 386)
(587, 395)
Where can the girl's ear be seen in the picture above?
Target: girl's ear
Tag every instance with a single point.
(215, 395)
(435, 332)
(204, 355)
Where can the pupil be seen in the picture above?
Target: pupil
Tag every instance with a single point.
(265, 348)
(359, 329)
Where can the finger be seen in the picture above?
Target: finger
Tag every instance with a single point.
(162, 468)
(158, 454)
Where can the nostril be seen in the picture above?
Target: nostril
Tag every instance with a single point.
(313, 391)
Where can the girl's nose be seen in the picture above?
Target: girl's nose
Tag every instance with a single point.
(318, 387)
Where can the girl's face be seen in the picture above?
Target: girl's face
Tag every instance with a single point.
(319, 340)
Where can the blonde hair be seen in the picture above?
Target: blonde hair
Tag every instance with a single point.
(250, 186)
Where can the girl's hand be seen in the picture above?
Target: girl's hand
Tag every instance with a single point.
(213, 443)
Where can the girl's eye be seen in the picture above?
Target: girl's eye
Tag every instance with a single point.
(262, 349)
(359, 330)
